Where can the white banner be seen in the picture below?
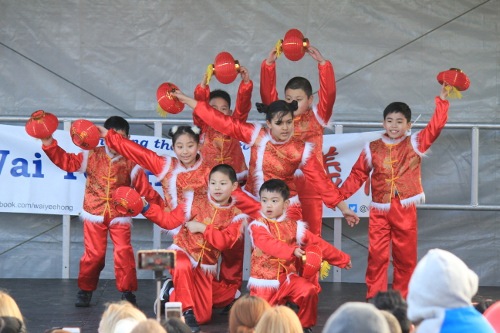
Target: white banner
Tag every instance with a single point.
(31, 183)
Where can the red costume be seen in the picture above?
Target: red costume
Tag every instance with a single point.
(396, 188)
(174, 177)
(309, 127)
(198, 253)
(274, 159)
(218, 148)
(105, 173)
(273, 275)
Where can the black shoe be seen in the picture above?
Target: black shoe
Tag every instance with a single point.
(308, 330)
(293, 306)
(164, 295)
(83, 299)
(190, 320)
(130, 297)
(228, 307)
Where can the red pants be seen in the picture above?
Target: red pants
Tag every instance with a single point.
(192, 287)
(399, 227)
(296, 290)
(230, 275)
(312, 206)
(95, 239)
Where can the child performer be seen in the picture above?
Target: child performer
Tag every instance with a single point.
(106, 171)
(218, 148)
(186, 171)
(216, 226)
(277, 242)
(275, 152)
(309, 120)
(394, 161)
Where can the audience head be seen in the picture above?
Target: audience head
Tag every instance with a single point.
(440, 295)
(9, 308)
(393, 323)
(11, 325)
(492, 314)
(279, 319)
(393, 302)
(148, 326)
(245, 313)
(356, 317)
(116, 312)
(175, 325)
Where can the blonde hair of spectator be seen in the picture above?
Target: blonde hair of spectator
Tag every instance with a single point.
(148, 326)
(280, 319)
(117, 311)
(9, 307)
(245, 313)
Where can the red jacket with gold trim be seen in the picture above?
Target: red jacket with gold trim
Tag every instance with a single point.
(273, 159)
(224, 227)
(309, 126)
(396, 164)
(217, 148)
(274, 242)
(105, 173)
(173, 175)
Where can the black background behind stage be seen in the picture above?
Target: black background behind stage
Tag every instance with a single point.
(47, 303)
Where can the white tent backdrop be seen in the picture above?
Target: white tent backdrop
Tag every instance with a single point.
(80, 58)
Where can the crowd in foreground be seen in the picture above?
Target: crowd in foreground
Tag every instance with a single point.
(439, 300)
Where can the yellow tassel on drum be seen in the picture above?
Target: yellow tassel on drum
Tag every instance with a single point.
(210, 71)
(453, 92)
(324, 270)
(279, 50)
(160, 111)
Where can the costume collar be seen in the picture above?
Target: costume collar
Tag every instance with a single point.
(232, 202)
(268, 131)
(386, 139)
(279, 219)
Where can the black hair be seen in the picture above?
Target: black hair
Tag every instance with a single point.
(393, 302)
(225, 169)
(300, 82)
(276, 186)
(176, 131)
(398, 107)
(280, 108)
(10, 324)
(219, 93)
(117, 123)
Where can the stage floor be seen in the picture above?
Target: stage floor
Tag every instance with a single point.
(47, 303)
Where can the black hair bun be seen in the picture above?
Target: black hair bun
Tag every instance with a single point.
(262, 108)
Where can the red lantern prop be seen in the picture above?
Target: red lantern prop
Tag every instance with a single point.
(84, 134)
(225, 68)
(41, 124)
(455, 81)
(311, 261)
(127, 201)
(293, 45)
(167, 102)
(455, 78)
